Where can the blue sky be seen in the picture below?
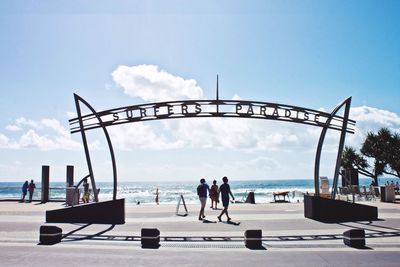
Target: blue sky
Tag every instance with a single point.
(306, 53)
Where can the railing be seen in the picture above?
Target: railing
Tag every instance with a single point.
(15, 193)
(359, 193)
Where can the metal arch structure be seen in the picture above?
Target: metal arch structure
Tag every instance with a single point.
(79, 99)
(345, 122)
(212, 108)
(315, 207)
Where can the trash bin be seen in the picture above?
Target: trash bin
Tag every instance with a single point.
(387, 194)
(72, 199)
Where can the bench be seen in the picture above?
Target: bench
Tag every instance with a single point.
(279, 194)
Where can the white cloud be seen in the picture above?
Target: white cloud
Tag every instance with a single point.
(55, 125)
(233, 134)
(32, 140)
(374, 117)
(152, 84)
(26, 122)
(71, 115)
(45, 134)
(7, 143)
(261, 163)
(236, 97)
(13, 128)
(369, 119)
(246, 135)
(141, 136)
(4, 140)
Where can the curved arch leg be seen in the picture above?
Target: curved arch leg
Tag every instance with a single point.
(340, 149)
(113, 162)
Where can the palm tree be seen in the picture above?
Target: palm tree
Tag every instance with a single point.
(378, 147)
(393, 156)
(353, 161)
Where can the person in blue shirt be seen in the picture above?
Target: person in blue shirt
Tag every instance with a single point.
(24, 190)
(202, 192)
(225, 191)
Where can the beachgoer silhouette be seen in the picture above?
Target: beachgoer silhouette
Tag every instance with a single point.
(86, 194)
(24, 190)
(202, 190)
(225, 191)
(214, 194)
(31, 189)
(157, 196)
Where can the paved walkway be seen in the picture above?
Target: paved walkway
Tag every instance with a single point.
(288, 238)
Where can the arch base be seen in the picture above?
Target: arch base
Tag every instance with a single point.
(106, 212)
(336, 211)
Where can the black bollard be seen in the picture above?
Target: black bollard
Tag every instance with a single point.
(150, 238)
(50, 235)
(354, 238)
(253, 239)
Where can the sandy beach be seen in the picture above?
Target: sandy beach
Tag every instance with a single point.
(288, 238)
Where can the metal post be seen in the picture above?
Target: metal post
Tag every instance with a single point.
(45, 183)
(70, 176)
(217, 97)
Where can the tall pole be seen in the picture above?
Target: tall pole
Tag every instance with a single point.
(217, 96)
(70, 175)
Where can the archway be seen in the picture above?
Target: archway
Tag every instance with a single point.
(315, 207)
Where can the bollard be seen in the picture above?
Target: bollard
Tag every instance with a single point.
(150, 238)
(354, 238)
(50, 235)
(252, 239)
(45, 183)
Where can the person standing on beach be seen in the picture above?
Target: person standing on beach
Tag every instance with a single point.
(86, 194)
(24, 190)
(157, 196)
(214, 194)
(31, 189)
(202, 191)
(225, 191)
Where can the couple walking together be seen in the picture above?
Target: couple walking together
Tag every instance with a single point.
(224, 190)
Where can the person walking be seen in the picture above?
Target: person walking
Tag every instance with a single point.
(214, 194)
(24, 190)
(202, 192)
(225, 191)
(31, 189)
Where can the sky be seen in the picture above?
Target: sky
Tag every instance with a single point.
(311, 54)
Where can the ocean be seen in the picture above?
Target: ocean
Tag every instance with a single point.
(170, 192)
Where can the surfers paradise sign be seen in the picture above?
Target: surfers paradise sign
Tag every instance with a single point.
(208, 108)
(213, 108)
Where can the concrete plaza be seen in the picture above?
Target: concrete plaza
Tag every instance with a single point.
(289, 239)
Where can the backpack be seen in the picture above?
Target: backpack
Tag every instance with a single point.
(200, 190)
